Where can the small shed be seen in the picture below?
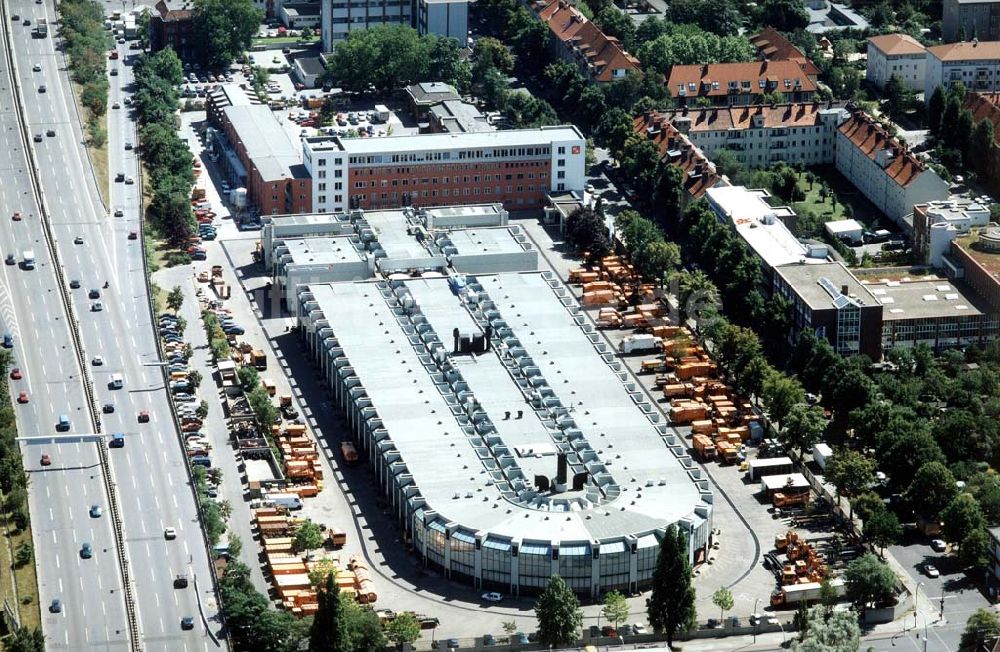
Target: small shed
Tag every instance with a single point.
(846, 230)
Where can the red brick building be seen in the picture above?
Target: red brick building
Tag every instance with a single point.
(170, 25)
(269, 164)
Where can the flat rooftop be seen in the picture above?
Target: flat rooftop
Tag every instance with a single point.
(636, 483)
(441, 142)
(989, 261)
(806, 279)
(267, 143)
(323, 251)
(760, 225)
(485, 241)
(922, 297)
(391, 230)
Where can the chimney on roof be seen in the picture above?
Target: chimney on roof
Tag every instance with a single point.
(843, 289)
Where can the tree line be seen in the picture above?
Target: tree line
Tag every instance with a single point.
(166, 155)
(963, 145)
(87, 45)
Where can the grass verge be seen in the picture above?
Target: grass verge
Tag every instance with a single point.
(98, 155)
(20, 587)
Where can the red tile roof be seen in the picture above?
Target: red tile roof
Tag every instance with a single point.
(720, 118)
(985, 106)
(713, 80)
(773, 46)
(897, 44)
(871, 139)
(966, 51)
(600, 53)
(700, 173)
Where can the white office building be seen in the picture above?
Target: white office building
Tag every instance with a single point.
(338, 18)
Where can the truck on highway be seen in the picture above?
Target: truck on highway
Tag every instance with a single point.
(29, 259)
(287, 501)
(117, 440)
(41, 29)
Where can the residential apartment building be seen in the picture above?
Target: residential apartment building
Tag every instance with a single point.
(579, 41)
(760, 135)
(257, 153)
(986, 106)
(883, 170)
(727, 84)
(975, 64)
(170, 25)
(772, 45)
(338, 18)
(964, 20)
(517, 168)
(900, 55)
(676, 149)
(938, 223)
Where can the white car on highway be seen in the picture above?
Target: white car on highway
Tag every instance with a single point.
(97, 361)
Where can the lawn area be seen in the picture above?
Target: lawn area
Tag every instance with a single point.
(25, 594)
(861, 209)
(98, 155)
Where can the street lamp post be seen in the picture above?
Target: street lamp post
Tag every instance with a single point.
(756, 620)
(916, 600)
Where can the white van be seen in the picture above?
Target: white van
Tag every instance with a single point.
(117, 382)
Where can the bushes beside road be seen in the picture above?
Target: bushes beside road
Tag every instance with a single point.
(166, 155)
(87, 44)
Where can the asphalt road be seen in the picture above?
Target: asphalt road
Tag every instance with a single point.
(150, 471)
(61, 494)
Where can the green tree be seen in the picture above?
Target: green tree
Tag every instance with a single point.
(723, 599)
(319, 569)
(869, 581)
(25, 639)
(175, 298)
(361, 627)
(586, 231)
(614, 22)
(803, 427)
(308, 536)
(784, 15)
(961, 516)
(935, 111)
(655, 259)
(882, 529)
(981, 626)
(223, 29)
(932, 490)
(826, 631)
(490, 54)
(404, 628)
(850, 472)
(614, 128)
(615, 608)
(981, 146)
(248, 378)
(963, 134)
(262, 407)
(974, 550)
(670, 605)
(325, 633)
(780, 394)
(558, 613)
(898, 98)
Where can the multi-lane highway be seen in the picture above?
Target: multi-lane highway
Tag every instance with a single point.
(63, 491)
(149, 472)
